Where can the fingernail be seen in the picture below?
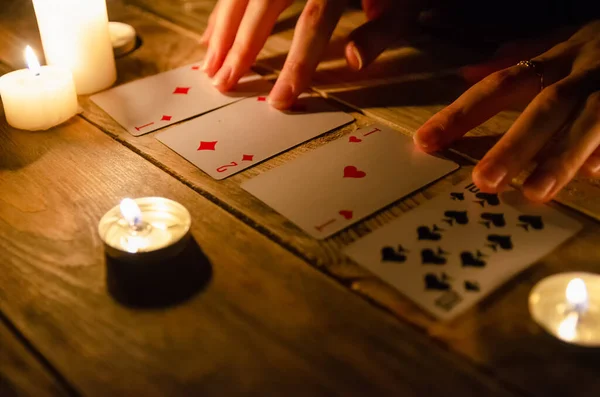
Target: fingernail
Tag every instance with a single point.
(281, 97)
(427, 138)
(353, 57)
(594, 164)
(221, 79)
(540, 186)
(491, 174)
(207, 61)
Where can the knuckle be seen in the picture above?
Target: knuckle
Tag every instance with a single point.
(240, 52)
(297, 68)
(501, 79)
(314, 14)
(554, 95)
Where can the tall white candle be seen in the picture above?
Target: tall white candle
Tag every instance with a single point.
(75, 35)
(39, 97)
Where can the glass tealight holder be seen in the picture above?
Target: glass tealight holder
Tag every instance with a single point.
(145, 229)
(567, 305)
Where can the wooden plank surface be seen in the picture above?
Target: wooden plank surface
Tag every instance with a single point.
(492, 334)
(21, 372)
(261, 323)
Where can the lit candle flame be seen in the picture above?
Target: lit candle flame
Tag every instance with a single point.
(32, 61)
(577, 295)
(131, 212)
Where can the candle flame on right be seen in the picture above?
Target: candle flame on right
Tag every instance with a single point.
(32, 61)
(576, 294)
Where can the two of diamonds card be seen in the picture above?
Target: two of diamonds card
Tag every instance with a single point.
(342, 182)
(155, 102)
(235, 137)
(453, 250)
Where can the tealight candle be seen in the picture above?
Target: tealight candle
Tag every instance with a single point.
(75, 35)
(147, 228)
(567, 305)
(39, 97)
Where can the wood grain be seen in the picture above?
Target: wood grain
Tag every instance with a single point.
(497, 334)
(264, 323)
(21, 373)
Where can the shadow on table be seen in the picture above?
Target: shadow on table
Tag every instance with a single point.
(161, 283)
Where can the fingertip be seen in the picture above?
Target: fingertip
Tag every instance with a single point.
(282, 96)
(428, 139)
(490, 177)
(353, 56)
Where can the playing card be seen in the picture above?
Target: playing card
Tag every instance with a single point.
(231, 139)
(155, 102)
(450, 252)
(344, 181)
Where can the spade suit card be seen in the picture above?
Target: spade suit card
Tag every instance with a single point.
(233, 138)
(450, 252)
(334, 186)
(157, 101)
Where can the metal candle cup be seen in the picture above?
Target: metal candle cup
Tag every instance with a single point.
(567, 306)
(145, 229)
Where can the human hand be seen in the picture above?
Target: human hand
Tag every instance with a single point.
(566, 113)
(238, 29)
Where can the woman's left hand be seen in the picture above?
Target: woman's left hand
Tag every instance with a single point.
(565, 112)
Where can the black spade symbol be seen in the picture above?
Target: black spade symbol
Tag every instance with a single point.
(489, 198)
(504, 242)
(436, 283)
(429, 257)
(497, 219)
(424, 233)
(469, 260)
(471, 286)
(457, 196)
(459, 217)
(534, 221)
(389, 254)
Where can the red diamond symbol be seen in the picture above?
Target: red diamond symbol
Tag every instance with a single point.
(181, 90)
(247, 157)
(261, 98)
(195, 67)
(207, 145)
(166, 118)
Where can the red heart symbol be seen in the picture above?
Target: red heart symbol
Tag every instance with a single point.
(346, 214)
(352, 172)
(354, 139)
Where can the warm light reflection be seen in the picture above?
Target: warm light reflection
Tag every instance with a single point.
(131, 212)
(32, 61)
(567, 329)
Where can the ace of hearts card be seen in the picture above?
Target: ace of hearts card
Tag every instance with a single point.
(342, 182)
(453, 250)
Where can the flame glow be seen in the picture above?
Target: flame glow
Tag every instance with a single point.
(131, 212)
(576, 294)
(32, 61)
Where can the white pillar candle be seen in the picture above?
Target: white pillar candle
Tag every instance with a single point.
(75, 35)
(39, 97)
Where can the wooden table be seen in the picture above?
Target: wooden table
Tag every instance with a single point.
(278, 313)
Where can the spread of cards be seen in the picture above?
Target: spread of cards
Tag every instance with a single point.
(446, 255)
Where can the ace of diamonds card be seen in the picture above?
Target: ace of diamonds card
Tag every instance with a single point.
(450, 252)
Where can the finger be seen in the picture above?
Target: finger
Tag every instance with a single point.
(544, 117)
(311, 36)
(210, 26)
(369, 40)
(256, 25)
(591, 167)
(227, 21)
(479, 103)
(580, 143)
